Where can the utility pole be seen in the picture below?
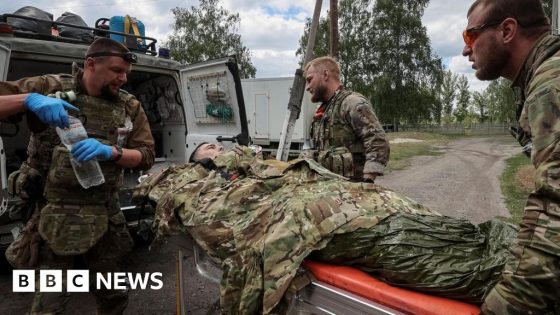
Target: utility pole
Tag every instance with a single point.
(298, 88)
(334, 29)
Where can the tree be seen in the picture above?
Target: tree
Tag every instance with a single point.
(405, 71)
(321, 47)
(208, 32)
(501, 101)
(481, 105)
(385, 54)
(448, 93)
(354, 20)
(463, 99)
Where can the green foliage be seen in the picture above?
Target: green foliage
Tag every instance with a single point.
(463, 99)
(385, 54)
(514, 193)
(406, 75)
(208, 32)
(354, 44)
(480, 106)
(321, 39)
(448, 92)
(500, 100)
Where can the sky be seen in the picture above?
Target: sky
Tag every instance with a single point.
(270, 29)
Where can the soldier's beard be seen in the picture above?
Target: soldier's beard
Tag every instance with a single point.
(319, 94)
(492, 65)
(109, 94)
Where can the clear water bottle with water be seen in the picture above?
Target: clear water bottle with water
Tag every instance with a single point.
(89, 172)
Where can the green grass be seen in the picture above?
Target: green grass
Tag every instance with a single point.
(401, 153)
(514, 193)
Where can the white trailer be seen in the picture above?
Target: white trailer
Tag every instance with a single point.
(266, 103)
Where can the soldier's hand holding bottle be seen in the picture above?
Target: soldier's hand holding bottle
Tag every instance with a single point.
(50, 110)
(88, 149)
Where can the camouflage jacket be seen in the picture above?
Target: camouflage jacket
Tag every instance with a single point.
(349, 121)
(262, 225)
(43, 138)
(537, 90)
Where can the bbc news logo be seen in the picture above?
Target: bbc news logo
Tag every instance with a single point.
(78, 281)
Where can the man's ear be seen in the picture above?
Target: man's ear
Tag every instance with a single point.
(89, 63)
(509, 30)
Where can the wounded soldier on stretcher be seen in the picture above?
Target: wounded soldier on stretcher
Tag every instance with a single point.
(259, 219)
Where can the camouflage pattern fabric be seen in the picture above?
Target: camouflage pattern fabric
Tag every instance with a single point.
(23, 252)
(74, 220)
(530, 284)
(42, 137)
(102, 257)
(261, 226)
(349, 121)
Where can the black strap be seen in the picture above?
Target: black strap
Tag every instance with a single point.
(127, 56)
(209, 164)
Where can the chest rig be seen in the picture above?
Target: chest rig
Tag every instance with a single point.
(337, 147)
(74, 218)
(102, 120)
(332, 130)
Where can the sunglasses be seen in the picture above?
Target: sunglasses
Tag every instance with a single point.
(471, 34)
(128, 56)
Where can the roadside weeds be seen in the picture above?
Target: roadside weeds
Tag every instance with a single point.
(517, 183)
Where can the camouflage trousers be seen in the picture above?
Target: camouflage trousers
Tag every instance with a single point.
(102, 257)
(530, 284)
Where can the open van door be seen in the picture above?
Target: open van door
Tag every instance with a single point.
(213, 104)
(4, 64)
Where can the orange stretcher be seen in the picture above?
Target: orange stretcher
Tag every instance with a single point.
(362, 284)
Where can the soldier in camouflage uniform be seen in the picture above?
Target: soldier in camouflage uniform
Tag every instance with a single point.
(258, 219)
(347, 136)
(77, 224)
(510, 39)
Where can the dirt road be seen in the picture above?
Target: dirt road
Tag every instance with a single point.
(462, 182)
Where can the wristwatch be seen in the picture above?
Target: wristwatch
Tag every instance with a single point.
(119, 153)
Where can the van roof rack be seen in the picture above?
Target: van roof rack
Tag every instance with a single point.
(149, 48)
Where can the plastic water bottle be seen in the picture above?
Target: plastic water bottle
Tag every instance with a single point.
(89, 172)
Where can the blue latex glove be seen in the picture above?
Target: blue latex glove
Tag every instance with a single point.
(49, 109)
(88, 149)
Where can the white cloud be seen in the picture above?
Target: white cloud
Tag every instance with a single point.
(274, 63)
(445, 21)
(261, 31)
(270, 29)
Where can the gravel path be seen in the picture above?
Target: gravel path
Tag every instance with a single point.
(462, 182)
